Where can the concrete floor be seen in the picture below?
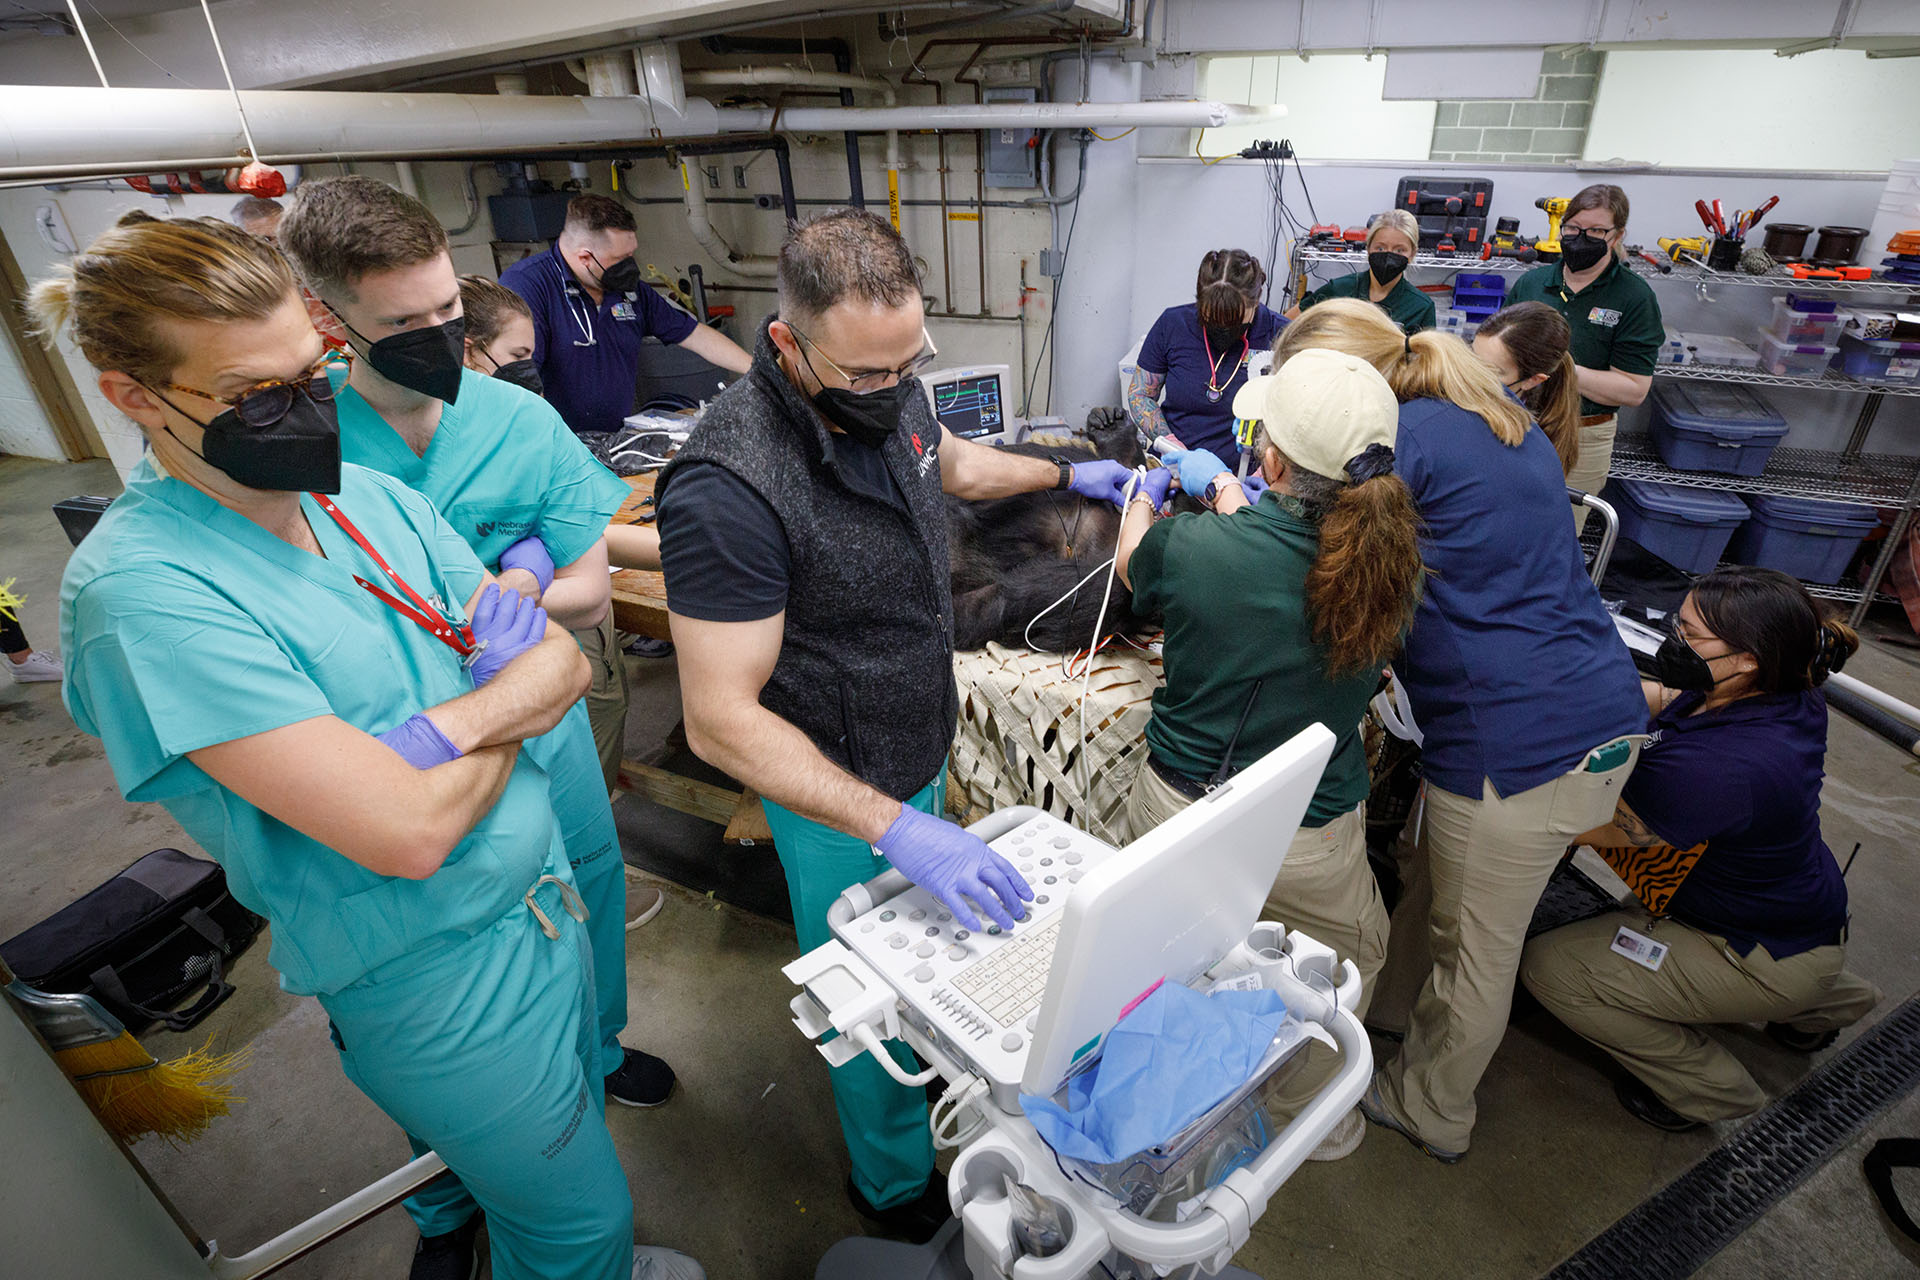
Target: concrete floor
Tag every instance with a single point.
(744, 1168)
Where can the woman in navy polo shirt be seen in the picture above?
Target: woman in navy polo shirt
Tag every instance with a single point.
(1525, 693)
(1742, 913)
(1197, 353)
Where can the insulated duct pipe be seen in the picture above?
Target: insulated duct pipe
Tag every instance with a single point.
(48, 133)
(842, 57)
(818, 80)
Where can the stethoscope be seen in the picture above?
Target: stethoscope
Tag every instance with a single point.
(582, 316)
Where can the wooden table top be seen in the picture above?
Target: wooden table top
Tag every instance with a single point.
(639, 595)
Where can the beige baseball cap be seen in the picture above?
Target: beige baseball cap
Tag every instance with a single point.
(1322, 408)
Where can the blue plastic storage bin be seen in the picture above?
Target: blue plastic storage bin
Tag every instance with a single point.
(1812, 540)
(1479, 294)
(1713, 426)
(1688, 528)
(1879, 361)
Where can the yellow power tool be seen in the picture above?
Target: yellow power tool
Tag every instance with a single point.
(1691, 248)
(1556, 209)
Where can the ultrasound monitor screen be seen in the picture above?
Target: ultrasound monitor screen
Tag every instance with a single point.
(970, 406)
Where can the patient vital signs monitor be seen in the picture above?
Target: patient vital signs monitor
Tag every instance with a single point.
(971, 403)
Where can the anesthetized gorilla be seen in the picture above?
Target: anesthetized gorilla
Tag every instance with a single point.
(1012, 557)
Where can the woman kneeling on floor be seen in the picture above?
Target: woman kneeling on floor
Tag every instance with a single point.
(1742, 911)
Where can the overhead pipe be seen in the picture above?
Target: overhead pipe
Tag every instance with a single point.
(729, 145)
(817, 80)
(842, 56)
(62, 131)
(759, 266)
(1042, 10)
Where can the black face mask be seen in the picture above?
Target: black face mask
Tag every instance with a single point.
(1387, 267)
(1677, 666)
(521, 373)
(1580, 253)
(622, 277)
(429, 360)
(1228, 340)
(298, 454)
(867, 419)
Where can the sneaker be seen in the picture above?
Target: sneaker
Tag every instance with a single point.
(643, 904)
(1642, 1104)
(448, 1257)
(1343, 1139)
(37, 667)
(1801, 1041)
(1374, 1108)
(916, 1221)
(651, 1262)
(642, 1081)
(648, 647)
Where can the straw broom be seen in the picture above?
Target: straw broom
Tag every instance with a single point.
(132, 1092)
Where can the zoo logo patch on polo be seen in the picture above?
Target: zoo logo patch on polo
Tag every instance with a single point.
(623, 310)
(1603, 316)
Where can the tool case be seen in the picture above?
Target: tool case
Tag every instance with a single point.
(1426, 199)
(142, 942)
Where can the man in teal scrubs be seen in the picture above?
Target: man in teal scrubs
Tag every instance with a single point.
(325, 741)
(503, 469)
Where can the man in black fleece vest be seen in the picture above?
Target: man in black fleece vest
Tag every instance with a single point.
(803, 535)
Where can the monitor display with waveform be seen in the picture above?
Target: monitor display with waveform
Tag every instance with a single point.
(970, 406)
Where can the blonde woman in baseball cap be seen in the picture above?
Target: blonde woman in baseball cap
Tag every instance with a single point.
(1280, 613)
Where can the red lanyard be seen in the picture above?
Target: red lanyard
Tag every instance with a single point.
(427, 616)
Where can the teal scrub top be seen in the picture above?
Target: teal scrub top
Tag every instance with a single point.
(186, 625)
(501, 465)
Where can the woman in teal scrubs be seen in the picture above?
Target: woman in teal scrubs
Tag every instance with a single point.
(288, 674)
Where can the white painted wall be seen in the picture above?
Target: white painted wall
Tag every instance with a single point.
(1746, 108)
(1125, 270)
(23, 427)
(1333, 106)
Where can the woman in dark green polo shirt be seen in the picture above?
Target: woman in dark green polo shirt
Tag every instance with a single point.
(1617, 330)
(1392, 240)
(1280, 613)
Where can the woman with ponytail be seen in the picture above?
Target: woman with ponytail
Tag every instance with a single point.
(1526, 695)
(1281, 613)
(1718, 835)
(1525, 346)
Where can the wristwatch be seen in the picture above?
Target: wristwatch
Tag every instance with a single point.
(1066, 474)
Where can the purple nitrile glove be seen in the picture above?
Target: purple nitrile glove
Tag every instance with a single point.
(953, 865)
(509, 623)
(530, 554)
(1101, 480)
(420, 743)
(1154, 486)
(1253, 486)
(1197, 468)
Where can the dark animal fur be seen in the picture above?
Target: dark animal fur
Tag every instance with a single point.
(1012, 557)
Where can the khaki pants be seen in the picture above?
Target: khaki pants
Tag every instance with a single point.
(1325, 889)
(607, 695)
(1589, 474)
(1650, 1020)
(1477, 875)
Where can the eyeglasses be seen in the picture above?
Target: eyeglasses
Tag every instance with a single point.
(1597, 233)
(865, 382)
(265, 403)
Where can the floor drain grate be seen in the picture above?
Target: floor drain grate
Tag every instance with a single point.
(1675, 1231)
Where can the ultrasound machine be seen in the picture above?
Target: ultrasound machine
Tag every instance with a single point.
(999, 1015)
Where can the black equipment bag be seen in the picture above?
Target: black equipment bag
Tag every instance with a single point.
(142, 942)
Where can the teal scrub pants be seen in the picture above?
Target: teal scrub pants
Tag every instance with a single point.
(884, 1121)
(486, 1052)
(593, 848)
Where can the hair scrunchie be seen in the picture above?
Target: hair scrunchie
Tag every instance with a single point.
(1407, 340)
(1371, 463)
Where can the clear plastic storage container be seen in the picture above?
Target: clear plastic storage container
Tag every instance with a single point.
(1794, 360)
(1718, 349)
(1688, 528)
(1791, 324)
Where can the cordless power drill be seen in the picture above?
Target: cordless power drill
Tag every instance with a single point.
(1556, 209)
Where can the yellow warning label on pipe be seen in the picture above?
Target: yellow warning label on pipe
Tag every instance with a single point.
(963, 217)
(893, 198)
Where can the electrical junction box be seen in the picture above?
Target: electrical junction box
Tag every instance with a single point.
(1012, 157)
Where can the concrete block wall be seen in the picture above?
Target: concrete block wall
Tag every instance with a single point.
(1549, 128)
